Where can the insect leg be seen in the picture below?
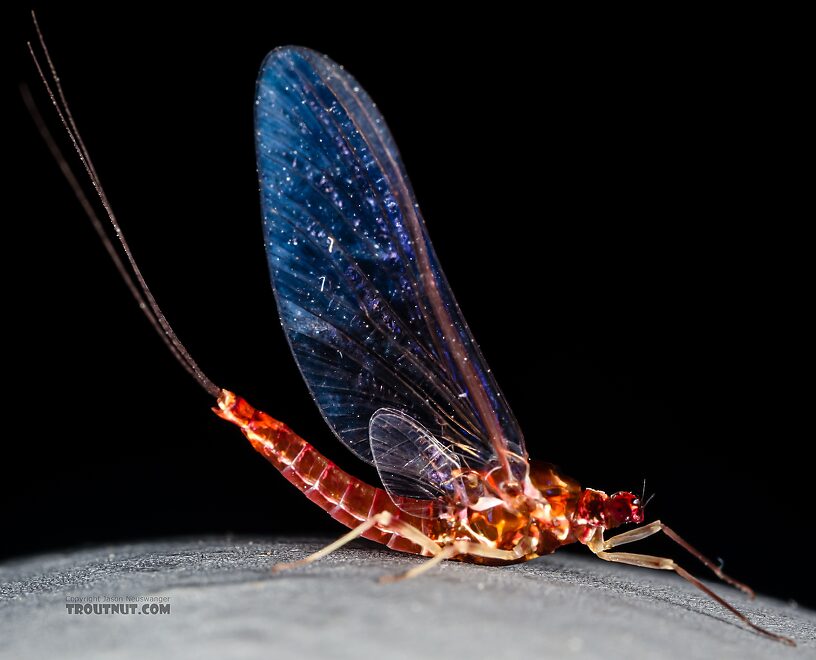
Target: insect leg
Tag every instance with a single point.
(662, 563)
(652, 528)
(384, 520)
(451, 550)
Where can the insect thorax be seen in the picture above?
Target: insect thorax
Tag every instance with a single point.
(535, 516)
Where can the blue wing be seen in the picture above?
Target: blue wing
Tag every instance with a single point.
(363, 301)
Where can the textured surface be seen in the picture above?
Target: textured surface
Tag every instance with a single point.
(225, 603)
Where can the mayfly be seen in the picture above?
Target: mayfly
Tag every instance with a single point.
(383, 348)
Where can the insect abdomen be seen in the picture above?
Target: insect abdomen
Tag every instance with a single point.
(347, 499)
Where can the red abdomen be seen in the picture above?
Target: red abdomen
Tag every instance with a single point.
(346, 498)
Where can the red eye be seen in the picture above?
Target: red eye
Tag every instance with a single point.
(511, 488)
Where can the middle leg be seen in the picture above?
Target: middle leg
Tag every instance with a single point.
(451, 550)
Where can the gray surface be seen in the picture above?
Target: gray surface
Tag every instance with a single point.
(225, 603)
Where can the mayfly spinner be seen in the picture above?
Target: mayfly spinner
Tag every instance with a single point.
(384, 348)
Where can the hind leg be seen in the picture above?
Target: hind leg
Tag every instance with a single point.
(384, 521)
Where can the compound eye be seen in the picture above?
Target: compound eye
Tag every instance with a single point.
(511, 488)
(636, 502)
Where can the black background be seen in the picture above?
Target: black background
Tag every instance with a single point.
(611, 201)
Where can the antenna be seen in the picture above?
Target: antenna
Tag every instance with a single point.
(133, 278)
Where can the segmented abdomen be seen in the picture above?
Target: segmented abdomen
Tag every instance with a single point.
(346, 498)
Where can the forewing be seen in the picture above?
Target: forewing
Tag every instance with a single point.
(364, 304)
